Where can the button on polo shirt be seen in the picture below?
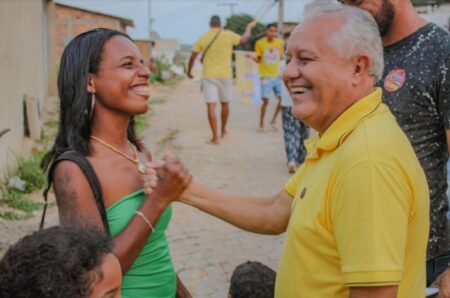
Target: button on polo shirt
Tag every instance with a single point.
(363, 216)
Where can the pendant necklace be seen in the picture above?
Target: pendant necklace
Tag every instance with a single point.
(135, 160)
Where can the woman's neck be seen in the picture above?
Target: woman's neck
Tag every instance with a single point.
(112, 130)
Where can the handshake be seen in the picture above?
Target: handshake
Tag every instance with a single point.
(166, 180)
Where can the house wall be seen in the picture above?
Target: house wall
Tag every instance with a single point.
(166, 48)
(66, 23)
(22, 70)
(143, 46)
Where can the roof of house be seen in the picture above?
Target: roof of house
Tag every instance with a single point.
(123, 21)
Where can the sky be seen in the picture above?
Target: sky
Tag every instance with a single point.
(185, 20)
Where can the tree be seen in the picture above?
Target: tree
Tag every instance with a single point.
(238, 23)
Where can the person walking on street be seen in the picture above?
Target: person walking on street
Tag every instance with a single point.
(216, 47)
(269, 51)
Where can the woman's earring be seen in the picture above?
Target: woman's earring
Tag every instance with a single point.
(91, 111)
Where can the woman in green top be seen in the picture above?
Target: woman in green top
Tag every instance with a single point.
(102, 85)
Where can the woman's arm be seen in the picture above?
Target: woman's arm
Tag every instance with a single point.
(182, 291)
(76, 205)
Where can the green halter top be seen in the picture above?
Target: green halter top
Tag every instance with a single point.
(152, 273)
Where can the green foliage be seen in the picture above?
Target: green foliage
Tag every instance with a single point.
(9, 215)
(52, 123)
(16, 200)
(157, 100)
(238, 23)
(30, 171)
(162, 66)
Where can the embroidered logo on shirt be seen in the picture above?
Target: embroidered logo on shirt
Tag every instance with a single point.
(394, 80)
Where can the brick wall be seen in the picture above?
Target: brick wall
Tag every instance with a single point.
(67, 23)
(143, 48)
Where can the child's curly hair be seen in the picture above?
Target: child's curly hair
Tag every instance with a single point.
(252, 280)
(53, 263)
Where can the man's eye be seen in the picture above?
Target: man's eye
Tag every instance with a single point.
(128, 64)
(351, 2)
(304, 59)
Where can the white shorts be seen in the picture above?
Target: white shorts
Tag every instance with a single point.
(217, 89)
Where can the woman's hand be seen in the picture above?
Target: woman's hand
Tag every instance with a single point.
(150, 177)
(166, 180)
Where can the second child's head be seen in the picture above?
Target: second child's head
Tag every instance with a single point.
(252, 280)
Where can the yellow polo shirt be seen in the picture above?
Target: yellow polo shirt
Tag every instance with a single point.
(270, 53)
(359, 212)
(217, 61)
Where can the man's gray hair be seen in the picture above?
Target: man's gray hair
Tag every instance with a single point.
(359, 34)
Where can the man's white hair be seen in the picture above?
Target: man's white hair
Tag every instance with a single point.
(358, 35)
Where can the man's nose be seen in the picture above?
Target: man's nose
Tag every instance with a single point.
(290, 71)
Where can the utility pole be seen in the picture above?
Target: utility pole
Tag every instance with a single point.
(280, 18)
(150, 21)
(231, 5)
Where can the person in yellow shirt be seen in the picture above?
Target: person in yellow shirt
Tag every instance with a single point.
(356, 213)
(269, 51)
(216, 46)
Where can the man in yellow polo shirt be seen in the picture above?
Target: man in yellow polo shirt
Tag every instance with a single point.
(269, 51)
(356, 212)
(216, 46)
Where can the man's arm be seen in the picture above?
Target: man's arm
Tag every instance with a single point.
(374, 292)
(248, 32)
(253, 57)
(191, 64)
(258, 215)
(443, 283)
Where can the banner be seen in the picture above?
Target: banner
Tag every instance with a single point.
(247, 78)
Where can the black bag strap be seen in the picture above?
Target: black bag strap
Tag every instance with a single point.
(92, 178)
(209, 45)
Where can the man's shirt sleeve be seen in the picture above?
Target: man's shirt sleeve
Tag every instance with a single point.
(370, 222)
(198, 47)
(235, 38)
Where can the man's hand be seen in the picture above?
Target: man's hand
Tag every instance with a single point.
(167, 179)
(443, 283)
(191, 64)
(251, 25)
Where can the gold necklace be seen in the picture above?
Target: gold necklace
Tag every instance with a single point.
(135, 160)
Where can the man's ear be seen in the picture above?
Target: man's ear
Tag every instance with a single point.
(91, 84)
(361, 67)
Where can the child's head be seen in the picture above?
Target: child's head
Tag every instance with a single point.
(61, 262)
(252, 280)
